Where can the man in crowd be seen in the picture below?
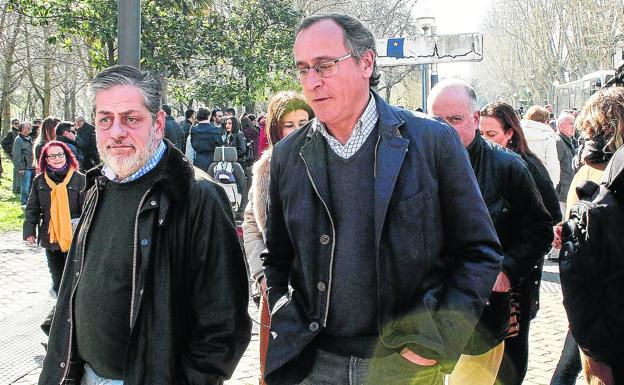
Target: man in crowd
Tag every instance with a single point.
(66, 133)
(522, 223)
(566, 149)
(381, 255)
(23, 160)
(7, 146)
(155, 289)
(189, 121)
(35, 129)
(87, 143)
(173, 130)
(216, 119)
(230, 111)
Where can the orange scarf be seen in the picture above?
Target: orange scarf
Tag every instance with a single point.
(60, 228)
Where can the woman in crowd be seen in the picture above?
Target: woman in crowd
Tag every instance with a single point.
(287, 112)
(235, 138)
(54, 204)
(47, 133)
(499, 123)
(542, 140)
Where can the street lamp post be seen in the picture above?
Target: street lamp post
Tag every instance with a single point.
(129, 32)
(426, 23)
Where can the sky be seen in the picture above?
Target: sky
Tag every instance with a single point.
(454, 16)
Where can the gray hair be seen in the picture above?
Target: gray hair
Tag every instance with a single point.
(147, 84)
(24, 124)
(357, 38)
(564, 115)
(454, 83)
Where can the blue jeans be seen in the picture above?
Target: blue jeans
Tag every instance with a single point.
(569, 364)
(25, 181)
(90, 378)
(333, 369)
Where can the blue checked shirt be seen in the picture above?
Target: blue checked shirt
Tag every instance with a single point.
(361, 131)
(151, 163)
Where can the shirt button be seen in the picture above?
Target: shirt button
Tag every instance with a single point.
(314, 326)
(321, 286)
(144, 242)
(325, 239)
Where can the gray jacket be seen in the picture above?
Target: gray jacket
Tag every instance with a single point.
(565, 150)
(23, 153)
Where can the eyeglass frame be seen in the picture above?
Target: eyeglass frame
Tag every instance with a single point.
(60, 155)
(302, 75)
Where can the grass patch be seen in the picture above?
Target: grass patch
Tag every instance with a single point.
(11, 214)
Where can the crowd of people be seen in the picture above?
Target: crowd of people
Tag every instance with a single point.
(382, 246)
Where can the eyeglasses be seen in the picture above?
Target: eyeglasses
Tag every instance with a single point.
(60, 155)
(325, 69)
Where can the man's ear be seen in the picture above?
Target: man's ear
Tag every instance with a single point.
(159, 124)
(367, 63)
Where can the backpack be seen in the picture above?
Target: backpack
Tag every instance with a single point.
(223, 173)
(591, 265)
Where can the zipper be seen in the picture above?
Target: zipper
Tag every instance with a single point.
(84, 231)
(331, 257)
(134, 257)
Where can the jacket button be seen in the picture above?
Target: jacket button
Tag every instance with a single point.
(321, 286)
(144, 242)
(314, 326)
(62, 364)
(536, 282)
(325, 239)
(153, 203)
(487, 303)
(505, 210)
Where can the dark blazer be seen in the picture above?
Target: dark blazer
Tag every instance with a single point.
(189, 321)
(205, 138)
(436, 248)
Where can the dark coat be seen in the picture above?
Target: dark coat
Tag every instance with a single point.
(73, 146)
(523, 225)
(238, 141)
(566, 151)
(436, 248)
(189, 321)
(7, 141)
(88, 146)
(175, 134)
(205, 138)
(37, 213)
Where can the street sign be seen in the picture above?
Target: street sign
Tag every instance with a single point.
(429, 49)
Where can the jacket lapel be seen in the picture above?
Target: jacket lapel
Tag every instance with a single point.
(315, 158)
(390, 153)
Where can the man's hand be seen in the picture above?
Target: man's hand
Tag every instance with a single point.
(30, 239)
(502, 284)
(556, 243)
(21, 172)
(416, 359)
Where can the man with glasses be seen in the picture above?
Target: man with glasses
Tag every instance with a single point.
(23, 160)
(7, 146)
(66, 133)
(380, 251)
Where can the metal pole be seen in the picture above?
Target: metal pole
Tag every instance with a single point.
(423, 81)
(129, 32)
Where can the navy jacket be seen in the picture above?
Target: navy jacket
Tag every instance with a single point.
(205, 138)
(436, 249)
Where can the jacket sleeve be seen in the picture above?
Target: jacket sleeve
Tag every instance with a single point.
(471, 244)
(190, 151)
(18, 154)
(221, 327)
(532, 224)
(7, 143)
(32, 213)
(552, 161)
(253, 241)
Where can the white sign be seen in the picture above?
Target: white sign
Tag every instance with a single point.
(430, 49)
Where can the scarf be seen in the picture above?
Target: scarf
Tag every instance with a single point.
(60, 229)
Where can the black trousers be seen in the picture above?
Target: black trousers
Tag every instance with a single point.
(569, 364)
(56, 264)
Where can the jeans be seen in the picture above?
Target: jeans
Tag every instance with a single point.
(90, 378)
(25, 181)
(569, 364)
(333, 369)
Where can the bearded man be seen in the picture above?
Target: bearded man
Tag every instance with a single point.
(155, 289)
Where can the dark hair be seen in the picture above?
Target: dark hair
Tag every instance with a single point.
(188, 114)
(167, 109)
(213, 114)
(246, 123)
(63, 127)
(147, 84)
(230, 110)
(203, 114)
(357, 38)
(251, 117)
(279, 105)
(47, 130)
(235, 124)
(43, 158)
(506, 116)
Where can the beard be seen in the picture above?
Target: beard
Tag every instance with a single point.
(126, 165)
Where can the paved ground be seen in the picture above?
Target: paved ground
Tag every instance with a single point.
(25, 301)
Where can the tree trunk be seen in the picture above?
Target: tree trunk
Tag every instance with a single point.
(47, 67)
(7, 91)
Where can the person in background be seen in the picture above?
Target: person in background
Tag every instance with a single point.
(189, 121)
(173, 131)
(287, 111)
(205, 137)
(542, 140)
(87, 143)
(23, 160)
(47, 133)
(235, 138)
(500, 124)
(35, 129)
(66, 133)
(229, 112)
(216, 119)
(7, 146)
(54, 206)
(566, 149)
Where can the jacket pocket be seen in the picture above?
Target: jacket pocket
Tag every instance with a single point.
(493, 324)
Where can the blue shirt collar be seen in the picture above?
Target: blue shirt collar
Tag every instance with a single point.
(151, 163)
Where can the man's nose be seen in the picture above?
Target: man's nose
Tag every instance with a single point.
(117, 129)
(312, 80)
